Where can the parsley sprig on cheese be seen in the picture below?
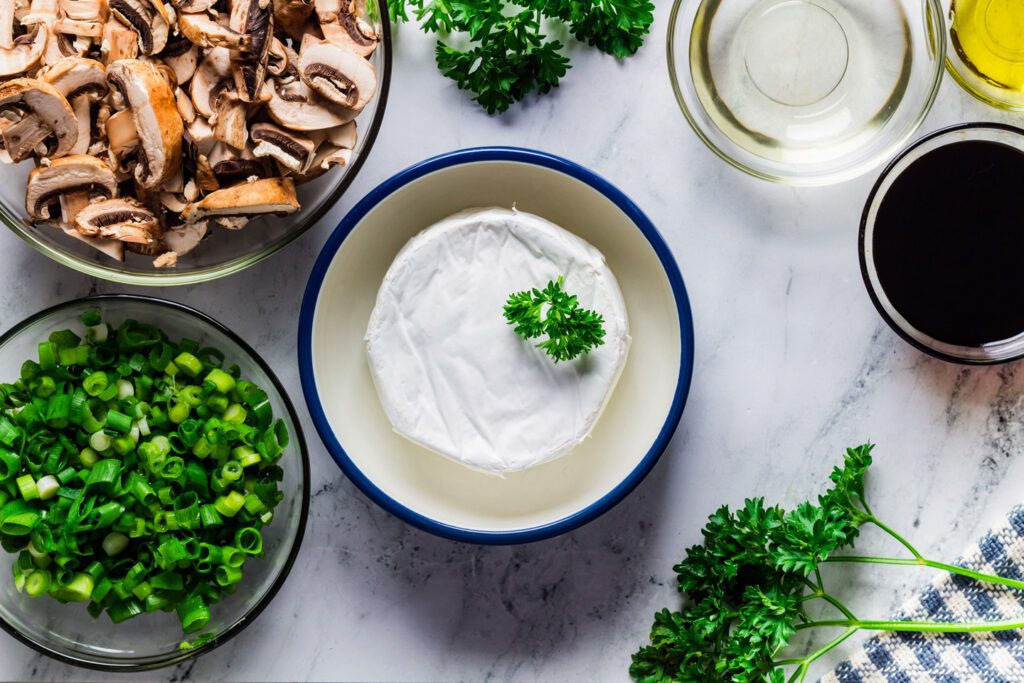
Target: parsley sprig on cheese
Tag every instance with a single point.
(571, 330)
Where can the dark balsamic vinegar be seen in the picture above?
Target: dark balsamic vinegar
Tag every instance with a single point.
(949, 243)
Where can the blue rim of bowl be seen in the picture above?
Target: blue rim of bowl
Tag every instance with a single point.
(300, 531)
(379, 195)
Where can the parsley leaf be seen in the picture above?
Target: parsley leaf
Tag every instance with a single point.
(500, 52)
(571, 330)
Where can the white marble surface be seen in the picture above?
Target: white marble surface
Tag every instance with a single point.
(792, 365)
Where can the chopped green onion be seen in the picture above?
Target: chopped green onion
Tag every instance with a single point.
(135, 472)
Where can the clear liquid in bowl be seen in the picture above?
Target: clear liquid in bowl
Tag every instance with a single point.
(800, 81)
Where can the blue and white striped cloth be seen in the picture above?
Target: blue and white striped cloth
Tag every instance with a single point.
(961, 658)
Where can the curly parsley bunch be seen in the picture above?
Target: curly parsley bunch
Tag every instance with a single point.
(748, 585)
(508, 55)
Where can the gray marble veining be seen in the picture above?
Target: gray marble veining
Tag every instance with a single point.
(792, 366)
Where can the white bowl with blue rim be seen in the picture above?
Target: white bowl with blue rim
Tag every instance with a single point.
(433, 492)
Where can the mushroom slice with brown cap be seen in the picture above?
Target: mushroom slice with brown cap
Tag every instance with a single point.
(75, 76)
(205, 32)
(255, 19)
(277, 59)
(342, 25)
(147, 18)
(19, 54)
(156, 118)
(76, 174)
(212, 77)
(297, 106)
(270, 195)
(121, 219)
(338, 75)
(291, 149)
(43, 112)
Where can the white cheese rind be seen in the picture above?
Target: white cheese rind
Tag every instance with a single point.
(452, 375)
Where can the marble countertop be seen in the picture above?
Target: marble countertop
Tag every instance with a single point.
(792, 365)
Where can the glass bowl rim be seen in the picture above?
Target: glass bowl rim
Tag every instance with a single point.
(841, 173)
(865, 271)
(177, 657)
(159, 278)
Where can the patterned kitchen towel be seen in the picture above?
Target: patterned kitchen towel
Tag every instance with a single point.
(961, 658)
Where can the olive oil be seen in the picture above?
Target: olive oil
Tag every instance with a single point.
(988, 39)
(949, 244)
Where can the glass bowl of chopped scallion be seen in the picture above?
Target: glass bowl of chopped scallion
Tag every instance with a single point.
(154, 483)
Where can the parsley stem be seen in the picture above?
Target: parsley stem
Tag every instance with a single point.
(809, 659)
(904, 542)
(916, 626)
(923, 562)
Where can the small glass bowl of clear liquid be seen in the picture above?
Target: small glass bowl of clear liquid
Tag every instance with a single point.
(806, 92)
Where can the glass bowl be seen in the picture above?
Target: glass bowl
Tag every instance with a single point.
(224, 252)
(805, 92)
(985, 50)
(1003, 351)
(67, 632)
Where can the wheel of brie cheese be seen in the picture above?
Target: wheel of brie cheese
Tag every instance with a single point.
(451, 373)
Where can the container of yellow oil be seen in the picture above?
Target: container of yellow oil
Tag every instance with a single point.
(986, 50)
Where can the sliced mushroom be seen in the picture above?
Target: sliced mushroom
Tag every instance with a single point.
(182, 239)
(230, 127)
(18, 55)
(76, 76)
(277, 59)
(297, 106)
(121, 219)
(76, 174)
(77, 27)
(335, 149)
(292, 150)
(173, 202)
(149, 20)
(292, 16)
(119, 42)
(338, 75)
(271, 195)
(205, 32)
(231, 166)
(186, 110)
(184, 65)
(122, 138)
(253, 18)
(211, 78)
(343, 27)
(43, 112)
(193, 6)
(206, 179)
(156, 119)
(84, 10)
(41, 12)
(201, 136)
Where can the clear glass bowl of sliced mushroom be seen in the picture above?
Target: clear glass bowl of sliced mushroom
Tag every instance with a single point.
(170, 143)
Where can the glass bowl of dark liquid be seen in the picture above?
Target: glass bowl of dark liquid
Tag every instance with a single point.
(942, 244)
